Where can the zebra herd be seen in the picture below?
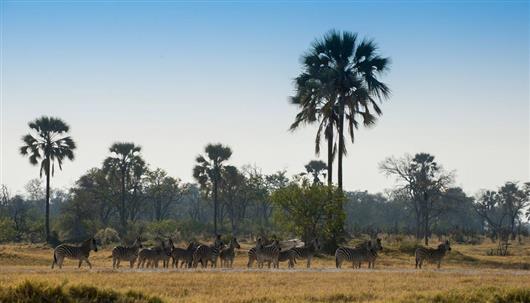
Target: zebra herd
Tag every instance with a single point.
(262, 253)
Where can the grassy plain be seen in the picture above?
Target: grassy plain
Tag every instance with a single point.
(467, 274)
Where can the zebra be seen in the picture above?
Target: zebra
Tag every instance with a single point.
(80, 253)
(287, 255)
(153, 255)
(127, 253)
(268, 253)
(228, 255)
(308, 251)
(355, 255)
(251, 257)
(372, 249)
(205, 253)
(431, 254)
(184, 254)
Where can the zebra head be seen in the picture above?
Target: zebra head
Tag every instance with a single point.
(138, 243)
(218, 242)
(93, 244)
(316, 244)
(234, 243)
(377, 244)
(446, 245)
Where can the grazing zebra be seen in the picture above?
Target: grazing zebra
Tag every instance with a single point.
(126, 253)
(80, 253)
(153, 255)
(308, 251)
(354, 255)
(431, 254)
(268, 253)
(184, 254)
(372, 249)
(228, 255)
(205, 253)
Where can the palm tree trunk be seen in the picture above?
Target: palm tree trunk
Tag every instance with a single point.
(215, 206)
(122, 210)
(329, 130)
(341, 144)
(47, 219)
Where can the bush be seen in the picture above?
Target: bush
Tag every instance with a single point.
(163, 229)
(7, 230)
(408, 247)
(29, 292)
(107, 236)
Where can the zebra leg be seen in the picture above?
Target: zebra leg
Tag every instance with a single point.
(118, 263)
(131, 263)
(439, 264)
(80, 261)
(308, 262)
(88, 262)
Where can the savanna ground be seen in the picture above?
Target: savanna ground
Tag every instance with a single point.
(467, 274)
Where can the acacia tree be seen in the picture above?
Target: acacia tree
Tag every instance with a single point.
(208, 172)
(46, 144)
(127, 163)
(424, 182)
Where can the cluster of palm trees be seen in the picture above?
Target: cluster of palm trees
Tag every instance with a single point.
(339, 87)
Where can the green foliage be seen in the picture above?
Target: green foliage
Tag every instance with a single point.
(7, 230)
(310, 211)
(162, 229)
(31, 292)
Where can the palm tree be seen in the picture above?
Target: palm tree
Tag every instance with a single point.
(208, 171)
(128, 163)
(48, 143)
(348, 70)
(315, 168)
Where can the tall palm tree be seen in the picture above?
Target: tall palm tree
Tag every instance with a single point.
(128, 163)
(48, 143)
(348, 69)
(208, 171)
(315, 168)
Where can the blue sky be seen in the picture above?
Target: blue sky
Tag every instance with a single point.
(173, 76)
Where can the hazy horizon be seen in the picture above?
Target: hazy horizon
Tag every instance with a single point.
(175, 76)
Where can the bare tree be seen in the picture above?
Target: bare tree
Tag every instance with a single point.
(424, 182)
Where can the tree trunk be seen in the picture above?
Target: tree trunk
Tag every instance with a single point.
(341, 144)
(47, 219)
(122, 207)
(329, 130)
(215, 206)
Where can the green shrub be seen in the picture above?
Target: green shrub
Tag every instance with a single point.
(7, 230)
(31, 292)
(408, 247)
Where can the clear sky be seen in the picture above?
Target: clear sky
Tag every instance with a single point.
(173, 76)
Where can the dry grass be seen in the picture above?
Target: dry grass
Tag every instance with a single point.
(466, 269)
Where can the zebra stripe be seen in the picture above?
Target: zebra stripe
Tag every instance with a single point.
(153, 255)
(354, 255)
(308, 251)
(228, 255)
(126, 253)
(288, 255)
(184, 254)
(431, 254)
(205, 253)
(80, 253)
(269, 253)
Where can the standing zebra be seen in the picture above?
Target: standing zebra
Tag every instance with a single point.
(354, 255)
(205, 253)
(372, 249)
(431, 254)
(126, 253)
(308, 251)
(153, 255)
(251, 257)
(184, 254)
(269, 253)
(228, 255)
(80, 253)
(289, 256)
